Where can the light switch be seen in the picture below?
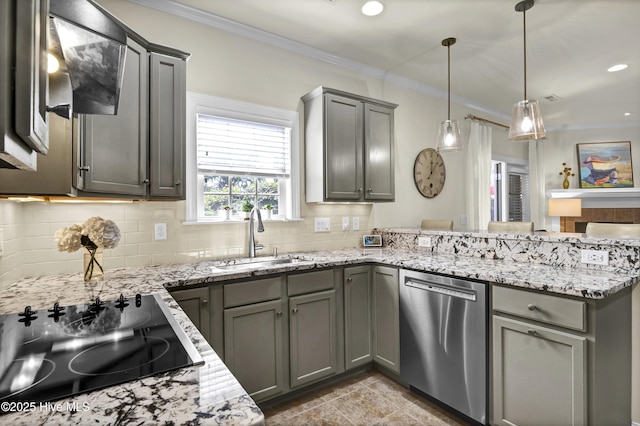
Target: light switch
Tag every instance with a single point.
(356, 223)
(322, 224)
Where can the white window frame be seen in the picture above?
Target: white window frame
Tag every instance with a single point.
(198, 103)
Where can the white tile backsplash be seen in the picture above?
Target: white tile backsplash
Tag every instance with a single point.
(30, 249)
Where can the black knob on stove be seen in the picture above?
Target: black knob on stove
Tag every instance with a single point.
(121, 303)
(56, 312)
(138, 300)
(96, 306)
(27, 316)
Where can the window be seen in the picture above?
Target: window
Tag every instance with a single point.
(510, 190)
(240, 153)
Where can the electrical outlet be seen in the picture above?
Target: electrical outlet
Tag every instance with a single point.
(322, 224)
(1, 243)
(345, 223)
(424, 241)
(463, 219)
(355, 223)
(161, 231)
(594, 257)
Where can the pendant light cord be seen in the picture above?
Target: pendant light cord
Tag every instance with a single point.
(524, 26)
(449, 82)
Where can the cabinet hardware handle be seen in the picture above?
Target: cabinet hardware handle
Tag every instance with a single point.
(532, 332)
(146, 181)
(295, 310)
(84, 168)
(205, 302)
(370, 189)
(359, 189)
(178, 182)
(349, 279)
(279, 313)
(531, 307)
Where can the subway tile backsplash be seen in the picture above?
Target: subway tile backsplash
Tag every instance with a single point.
(30, 249)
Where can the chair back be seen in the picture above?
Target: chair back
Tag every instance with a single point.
(613, 229)
(510, 227)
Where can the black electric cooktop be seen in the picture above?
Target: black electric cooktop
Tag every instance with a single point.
(63, 351)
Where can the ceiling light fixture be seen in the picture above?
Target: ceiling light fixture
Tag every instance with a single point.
(372, 8)
(618, 67)
(449, 138)
(526, 119)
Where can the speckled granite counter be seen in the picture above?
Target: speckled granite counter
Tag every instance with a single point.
(210, 394)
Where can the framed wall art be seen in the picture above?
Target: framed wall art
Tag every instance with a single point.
(605, 165)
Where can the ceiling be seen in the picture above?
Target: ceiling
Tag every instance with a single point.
(570, 45)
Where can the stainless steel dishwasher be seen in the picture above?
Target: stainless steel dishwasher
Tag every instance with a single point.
(443, 340)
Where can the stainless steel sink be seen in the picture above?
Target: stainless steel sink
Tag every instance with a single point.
(253, 263)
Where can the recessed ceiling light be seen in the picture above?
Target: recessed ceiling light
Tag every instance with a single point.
(618, 67)
(372, 8)
(627, 114)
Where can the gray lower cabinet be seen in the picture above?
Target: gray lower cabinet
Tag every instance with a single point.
(560, 360)
(539, 375)
(253, 347)
(386, 317)
(204, 308)
(358, 333)
(312, 337)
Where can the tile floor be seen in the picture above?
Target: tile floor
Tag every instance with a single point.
(369, 398)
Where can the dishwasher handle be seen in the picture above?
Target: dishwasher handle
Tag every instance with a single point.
(446, 290)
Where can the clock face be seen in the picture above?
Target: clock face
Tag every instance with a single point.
(429, 173)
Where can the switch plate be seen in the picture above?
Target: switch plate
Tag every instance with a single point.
(322, 224)
(356, 223)
(1, 243)
(345, 223)
(424, 241)
(463, 219)
(594, 257)
(161, 231)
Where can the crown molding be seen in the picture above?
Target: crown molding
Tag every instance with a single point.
(187, 12)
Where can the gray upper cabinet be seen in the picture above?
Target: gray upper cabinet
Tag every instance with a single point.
(114, 148)
(167, 127)
(354, 137)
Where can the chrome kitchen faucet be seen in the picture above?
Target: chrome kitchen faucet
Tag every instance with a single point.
(252, 243)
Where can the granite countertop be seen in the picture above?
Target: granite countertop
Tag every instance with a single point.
(210, 394)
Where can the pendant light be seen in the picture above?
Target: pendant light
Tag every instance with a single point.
(526, 120)
(449, 131)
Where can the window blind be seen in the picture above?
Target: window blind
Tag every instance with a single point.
(227, 146)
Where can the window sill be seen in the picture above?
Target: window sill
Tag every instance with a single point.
(240, 221)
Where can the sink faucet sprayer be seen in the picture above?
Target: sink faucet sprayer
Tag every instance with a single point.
(252, 244)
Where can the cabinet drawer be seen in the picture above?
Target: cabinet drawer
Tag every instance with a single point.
(245, 293)
(310, 282)
(541, 307)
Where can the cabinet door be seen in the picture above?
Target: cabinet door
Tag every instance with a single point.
(195, 303)
(343, 150)
(312, 340)
(114, 151)
(538, 375)
(386, 318)
(253, 347)
(167, 127)
(357, 316)
(378, 153)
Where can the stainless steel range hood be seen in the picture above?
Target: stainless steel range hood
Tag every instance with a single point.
(92, 45)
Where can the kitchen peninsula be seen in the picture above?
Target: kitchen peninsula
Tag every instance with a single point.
(211, 393)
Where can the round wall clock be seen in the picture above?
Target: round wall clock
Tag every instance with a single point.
(429, 172)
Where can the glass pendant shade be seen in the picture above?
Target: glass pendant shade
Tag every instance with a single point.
(449, 138)
(526, 122)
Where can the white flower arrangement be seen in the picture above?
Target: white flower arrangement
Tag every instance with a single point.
(94, 233)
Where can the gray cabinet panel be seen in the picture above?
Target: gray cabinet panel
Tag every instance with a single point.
(313, 338)
(253, 347)
(167, 126)
(357, 316)
(343, 148)
(386, 318)
(378, 153)
(114, 147)
(539, 375)
(195, 303)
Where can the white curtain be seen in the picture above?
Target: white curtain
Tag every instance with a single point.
(537, 184)
(479, 177)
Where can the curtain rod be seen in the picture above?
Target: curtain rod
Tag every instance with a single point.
(474, 117)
